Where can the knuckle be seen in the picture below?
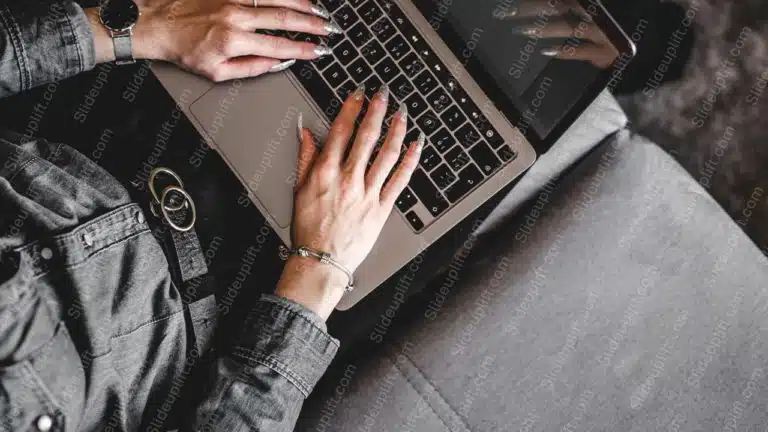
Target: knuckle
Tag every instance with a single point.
(282, 16)
(276, 43)
(229, 13)
(225, 41)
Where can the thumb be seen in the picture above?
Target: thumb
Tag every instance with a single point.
(307, 153)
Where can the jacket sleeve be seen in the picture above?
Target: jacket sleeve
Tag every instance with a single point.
(261, 384)
(42, 42)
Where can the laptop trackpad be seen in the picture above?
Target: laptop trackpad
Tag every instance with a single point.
(253, 124)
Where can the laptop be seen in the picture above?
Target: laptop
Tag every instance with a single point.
(489, 92)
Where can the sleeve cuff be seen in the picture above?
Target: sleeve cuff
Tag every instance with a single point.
(289, 339)
(51, 41)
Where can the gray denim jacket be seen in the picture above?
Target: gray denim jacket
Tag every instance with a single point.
(94, 334)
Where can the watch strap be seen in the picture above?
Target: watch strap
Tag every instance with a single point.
(123, 47)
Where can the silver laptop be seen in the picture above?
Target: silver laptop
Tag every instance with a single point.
(461, 89)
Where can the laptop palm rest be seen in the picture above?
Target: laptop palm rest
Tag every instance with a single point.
(253, 126)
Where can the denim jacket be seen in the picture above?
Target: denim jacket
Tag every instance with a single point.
(94, 334)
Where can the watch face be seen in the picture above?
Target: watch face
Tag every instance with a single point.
(119, 14)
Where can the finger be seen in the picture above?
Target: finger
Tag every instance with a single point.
(601, 56)
(245, 67)
(562, 29)
(271, 18)
(307, 153)
(530, 9)
(342, 128)
(369, 131)
(390, 151)
(305, 6)
(243, 43)
(403, 173)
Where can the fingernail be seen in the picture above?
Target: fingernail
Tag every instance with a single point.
(320, 11)
(402, 111)
(420, 141)
(383, 92)
(322, 50)
(300, 126)
(550, 52)
(332, 27)
(511, 12)
(282, 66)
(359, 92)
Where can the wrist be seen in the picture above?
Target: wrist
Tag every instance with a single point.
(147, 36)
(317, 286)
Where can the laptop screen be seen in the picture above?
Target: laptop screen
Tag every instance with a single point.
(536, 59)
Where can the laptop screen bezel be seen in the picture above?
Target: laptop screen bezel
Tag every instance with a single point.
(617, 37)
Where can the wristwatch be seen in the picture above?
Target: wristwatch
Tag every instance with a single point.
(119, 17)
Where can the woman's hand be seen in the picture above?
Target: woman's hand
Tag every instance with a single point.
(218, 39)
(340, 205)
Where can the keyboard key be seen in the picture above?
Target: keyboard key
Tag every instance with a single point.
(439, 100)
(410, 136)
(334, 39)
(332, 5)
(423, 50)
(346, 52)
(453, 117)
(428, 193)
(359, 70)
(383, 29)
(467, 135)
(335, 75)
(359, 34)
(416, 105)
(401, 87)
(506, 153)
(485, 158)
(372, 85)
(321, 63)
(370, 12)
(356, 3)
(346, 89)
(373, 52)
(387, 69)
(425, 82)
(414, 220)
(397, 47)
(442, 140)
(469, 177)
(430, 158)
(488, 132)
(318, 89)
(411, 64)
(406, 200)
(428, 123)
(345, 17)
(457, 158)
(443, 176)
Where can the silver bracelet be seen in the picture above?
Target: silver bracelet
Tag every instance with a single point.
(323, 257)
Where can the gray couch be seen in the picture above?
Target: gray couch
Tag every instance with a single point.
(617, 297)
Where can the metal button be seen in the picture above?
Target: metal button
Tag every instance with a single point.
(44, 423)
(87, 239)
(139, 217)
(46, 253)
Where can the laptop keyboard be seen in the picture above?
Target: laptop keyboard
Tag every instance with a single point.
(381, 45)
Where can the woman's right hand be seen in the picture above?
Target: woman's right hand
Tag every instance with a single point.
(341, 205)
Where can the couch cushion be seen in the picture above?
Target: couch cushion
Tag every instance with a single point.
(627, 301)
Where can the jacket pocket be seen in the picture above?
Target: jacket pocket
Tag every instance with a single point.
(46, 390)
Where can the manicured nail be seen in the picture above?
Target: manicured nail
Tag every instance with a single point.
(383, 92)
(320, 11)
(509, 13)
(420, 141)
(282, 66)
(322, 50)
(300, 126)
(550, 52)
(359, 93)
(332, 27)
(402, 111)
